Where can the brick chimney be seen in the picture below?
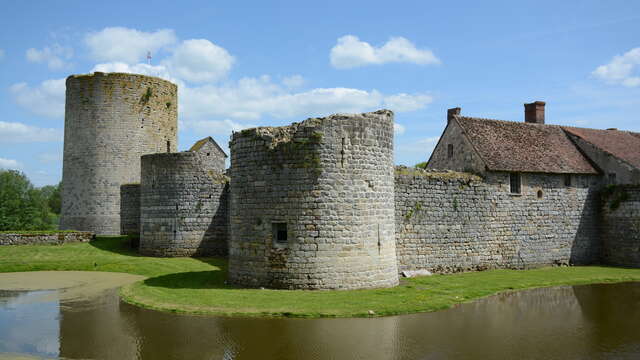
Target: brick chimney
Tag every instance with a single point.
(452, 112)
(534, 112)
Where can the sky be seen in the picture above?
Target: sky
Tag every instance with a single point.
(241, 64)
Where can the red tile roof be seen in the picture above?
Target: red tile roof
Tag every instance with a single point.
(524, 147)
(624, 145)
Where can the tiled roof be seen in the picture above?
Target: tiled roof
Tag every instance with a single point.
(200, 143)
(624, 145)
(524, 147)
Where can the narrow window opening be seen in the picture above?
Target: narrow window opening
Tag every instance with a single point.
(612, 178)
(208, 154)
(280, 233)
(168, 146)
(342, 153)
(567, 180)
(539, 194)
(449, 151)
(514, 183)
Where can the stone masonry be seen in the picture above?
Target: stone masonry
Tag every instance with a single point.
(45, 238)
(312, 204)
(130, 209)
(448, 221)
(111, 120)
(183, 206)
(621, 225)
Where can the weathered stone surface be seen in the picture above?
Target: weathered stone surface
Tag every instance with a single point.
(330, 180)
(621, 226)
(110, 121)
(45, 239)
(448, 222)
(183, 206)
(130, 209)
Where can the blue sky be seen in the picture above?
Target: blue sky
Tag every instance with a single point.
(243, 63)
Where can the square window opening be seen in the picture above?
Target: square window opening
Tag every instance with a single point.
(612, 178)
(515, 183)
(280, 233)
(567, 180)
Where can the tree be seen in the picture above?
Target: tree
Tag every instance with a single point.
(52, 194)
(22, 207)
(422, 165)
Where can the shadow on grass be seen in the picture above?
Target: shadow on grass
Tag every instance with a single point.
(116, 244)
(190, 280)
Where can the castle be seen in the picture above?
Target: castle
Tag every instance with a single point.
(319, 204)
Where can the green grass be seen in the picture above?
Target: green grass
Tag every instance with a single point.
(196, 285)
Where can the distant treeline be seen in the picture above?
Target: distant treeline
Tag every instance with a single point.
(26, 207)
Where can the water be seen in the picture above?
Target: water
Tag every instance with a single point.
(580, 322)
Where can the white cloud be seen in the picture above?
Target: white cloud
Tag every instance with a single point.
(56, 57)
(10, 164)
(423, 147)
(122, 44)
(622, 69)
(199, 60)
(293, 81)
(351, 52)
(407, 102)
(143, 69)
(46, 99)
(215, 127)
(398, 129)
(252, 98)
(15, 132)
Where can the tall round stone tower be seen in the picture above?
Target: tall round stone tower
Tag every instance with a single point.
(111, 120)
(312, 204)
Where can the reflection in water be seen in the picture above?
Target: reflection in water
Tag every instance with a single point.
(595, 321)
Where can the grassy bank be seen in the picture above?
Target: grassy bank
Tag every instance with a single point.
(197, 285)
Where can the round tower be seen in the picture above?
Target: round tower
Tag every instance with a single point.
(312, 204)
(183, 206)
(111, 120)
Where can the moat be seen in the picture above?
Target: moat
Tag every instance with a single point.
(572, 322)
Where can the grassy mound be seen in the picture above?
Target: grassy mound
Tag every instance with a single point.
(197, 285)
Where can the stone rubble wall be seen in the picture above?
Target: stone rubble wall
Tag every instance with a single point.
(183, 207)
(621, 226)
(130, 209)
(331, 181)
(45, 239)
(111, 120)
(449, 222)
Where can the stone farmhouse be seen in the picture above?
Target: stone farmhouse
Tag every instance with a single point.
(319, 204)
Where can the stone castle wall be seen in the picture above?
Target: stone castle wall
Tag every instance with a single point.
(327, 185)
(111, 120)
(45, 238)
(447, 222)
(184, 207)
(130, 209)
(621, 226)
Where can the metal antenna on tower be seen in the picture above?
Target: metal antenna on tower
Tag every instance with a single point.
(149, 57)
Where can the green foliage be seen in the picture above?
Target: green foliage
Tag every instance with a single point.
(197, 285)
(455, 204)
(22, 206)
(52, 194)
(168, 104)
(417, 207)
(616, 194)
(146, 96)
(421, 165)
